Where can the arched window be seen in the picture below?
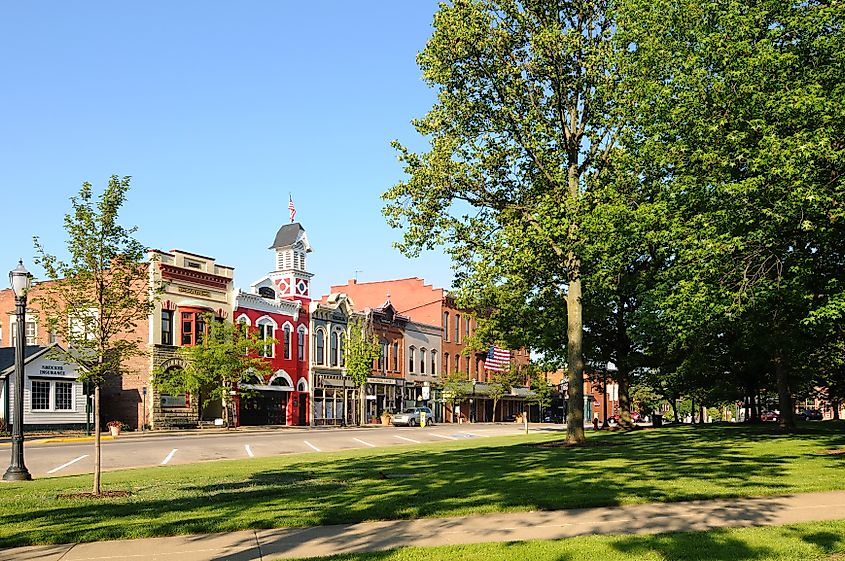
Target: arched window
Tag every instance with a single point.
(433, 362)
(287, 341)
(411, 359)
(333, 346)
(266, 331)
(382, 359)
(446, 364)
(320, 347)
(422, 361)
(342, 349)
(300, 343)
(396, 356)
(457, 363)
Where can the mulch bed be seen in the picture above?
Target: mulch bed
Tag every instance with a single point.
(835, 452)
(89, 495)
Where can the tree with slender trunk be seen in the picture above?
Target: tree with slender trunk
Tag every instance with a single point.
(362, 348)
(95, 300)
(525, 120)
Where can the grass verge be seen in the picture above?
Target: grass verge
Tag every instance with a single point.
(453, 478)
(804, 542)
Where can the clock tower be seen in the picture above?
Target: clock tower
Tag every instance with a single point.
(291, 278)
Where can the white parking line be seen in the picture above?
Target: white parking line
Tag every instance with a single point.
(443, 436)
(364, 443)
(312, 446)
(63, 466)
(249, 451)
(408, 439)
(169, 457)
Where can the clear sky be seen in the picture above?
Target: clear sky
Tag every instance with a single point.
(217, 110)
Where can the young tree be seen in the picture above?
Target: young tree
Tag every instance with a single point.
(456, 388)
(501, 385)
(226, 357)
(95, 300)
(526, 118)
(361, 350)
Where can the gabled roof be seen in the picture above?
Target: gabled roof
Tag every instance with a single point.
(7, 355)
(288, 235)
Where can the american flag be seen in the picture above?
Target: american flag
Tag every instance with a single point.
(291, 208)
(498, 359)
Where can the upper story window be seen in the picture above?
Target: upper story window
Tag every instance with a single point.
(446, 364)
(30, 329)
(191, 264)
(446, 326)
(266, 332)
(411, 358)
(433, 362)
(333, 349)
(457, 363)
(342, 349)
(457, 328)
(193, 327)
(396, 356)
(382, 357)
(167, 327)
(466, 327)
(267, 292)
(287, 341)
(422, 361)
(300, 343)
(320, 347)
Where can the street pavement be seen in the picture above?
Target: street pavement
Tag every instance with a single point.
(56, 457)
(501, 527)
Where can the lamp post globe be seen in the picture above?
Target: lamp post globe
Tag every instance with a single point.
(21, 281)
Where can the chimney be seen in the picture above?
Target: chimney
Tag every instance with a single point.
(353, 281)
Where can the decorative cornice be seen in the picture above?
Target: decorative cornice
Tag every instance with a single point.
(255, 302)
(199, 277)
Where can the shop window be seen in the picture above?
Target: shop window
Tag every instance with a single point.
(64, 396)
(287, 341)
(40, 395)
(166, 327)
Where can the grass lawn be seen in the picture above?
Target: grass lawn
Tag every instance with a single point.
(804, 542)
(459, 477)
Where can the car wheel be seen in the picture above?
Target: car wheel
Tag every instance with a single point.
(412, 423)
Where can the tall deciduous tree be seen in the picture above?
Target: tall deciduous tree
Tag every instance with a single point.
(526, 118)
(226, 357)
(97, 297)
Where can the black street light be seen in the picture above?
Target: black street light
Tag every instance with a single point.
(21, 281)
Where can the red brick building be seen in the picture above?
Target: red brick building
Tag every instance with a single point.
(276, 307)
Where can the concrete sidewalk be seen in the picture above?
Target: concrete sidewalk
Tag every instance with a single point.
(518, 526)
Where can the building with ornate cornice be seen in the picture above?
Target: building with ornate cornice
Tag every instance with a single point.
(276, 307)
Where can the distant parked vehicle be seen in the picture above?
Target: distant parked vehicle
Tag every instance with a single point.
(770, 416)
(411, 417)
(809, 415)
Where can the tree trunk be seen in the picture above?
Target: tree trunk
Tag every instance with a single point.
(786, 419)
(575, 363)
(495, 403)
(97, 441)
(675, 409)
(624, 398)
(835, 405)
(692, 410)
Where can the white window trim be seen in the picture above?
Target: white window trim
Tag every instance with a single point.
(244, 319)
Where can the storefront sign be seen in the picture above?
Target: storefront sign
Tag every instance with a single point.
(195, 291)
(52, 370)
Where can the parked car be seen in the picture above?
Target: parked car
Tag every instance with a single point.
(411, 417)
(809, 415)
(770, 416)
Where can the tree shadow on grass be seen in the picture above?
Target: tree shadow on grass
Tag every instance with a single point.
(682, 463)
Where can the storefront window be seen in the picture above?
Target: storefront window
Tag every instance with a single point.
(64, 396)
(40, 395)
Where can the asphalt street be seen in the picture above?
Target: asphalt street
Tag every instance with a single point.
(48, 459)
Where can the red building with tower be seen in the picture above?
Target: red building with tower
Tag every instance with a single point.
(276, 307)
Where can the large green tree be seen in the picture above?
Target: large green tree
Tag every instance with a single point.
(96, 299)
(526, 118)
(745, 117)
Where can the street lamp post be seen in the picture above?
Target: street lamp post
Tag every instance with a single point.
(21, 281)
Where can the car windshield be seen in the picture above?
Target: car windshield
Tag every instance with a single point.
(411, 410)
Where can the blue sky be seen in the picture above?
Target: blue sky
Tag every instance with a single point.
(218, 110)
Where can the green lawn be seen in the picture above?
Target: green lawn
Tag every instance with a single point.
(459, 477)
(801, 542)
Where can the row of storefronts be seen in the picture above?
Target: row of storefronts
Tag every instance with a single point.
(422, 338)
